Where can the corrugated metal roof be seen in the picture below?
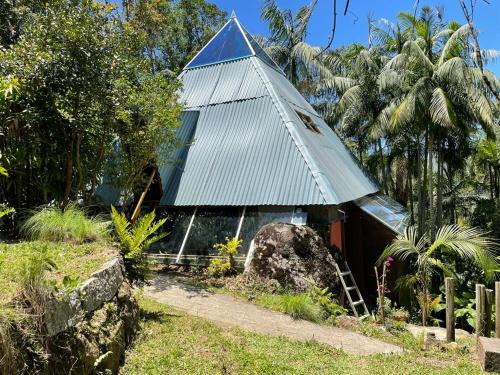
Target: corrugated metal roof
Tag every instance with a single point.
(249, 147)
(245, 145)
(220, 83)
(241, 154)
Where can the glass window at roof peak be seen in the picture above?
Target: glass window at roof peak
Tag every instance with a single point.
(228, 44)
(259, 51)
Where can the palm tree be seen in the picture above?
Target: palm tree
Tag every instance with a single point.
(488, 154)
(287, 44)
(445, 96)
(430, 256)
(362, 99)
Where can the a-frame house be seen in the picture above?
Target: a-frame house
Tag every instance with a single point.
(254, 151)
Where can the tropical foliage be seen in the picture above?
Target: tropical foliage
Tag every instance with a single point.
(452, 244)
(225, 264)
(85, 89)
(413, 106)
(135, 238)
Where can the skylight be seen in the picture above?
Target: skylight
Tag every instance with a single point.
(228, 44)
(259, 52)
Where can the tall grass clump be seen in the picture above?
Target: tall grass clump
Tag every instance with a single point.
(72, 224)
(299, 306)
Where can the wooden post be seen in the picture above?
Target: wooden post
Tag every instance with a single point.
(488, 294)
(497, 309)
(450, 309)
(480, 310)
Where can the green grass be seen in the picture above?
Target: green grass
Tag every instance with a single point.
(171, 342)
(72, 224)
(75, 261)
(298, 306)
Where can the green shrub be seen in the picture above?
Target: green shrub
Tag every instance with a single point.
(327, 304)
(135, 238)
(225, 264)
(53, 224)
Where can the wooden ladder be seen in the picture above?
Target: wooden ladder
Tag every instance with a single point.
(357, 303)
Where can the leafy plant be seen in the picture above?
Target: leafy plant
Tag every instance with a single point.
(427, 258)
(4, 210)
(67, 285)
(135, 238)
(326, 302)
(72, 224)
(466, 308)
(226, 251)
(36, 266)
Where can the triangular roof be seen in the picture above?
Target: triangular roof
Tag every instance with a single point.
(250, 138)
(232, 42)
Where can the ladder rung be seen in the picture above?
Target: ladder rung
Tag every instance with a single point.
(364, 317)
(345, 273)
(349, 288)
(357, 302)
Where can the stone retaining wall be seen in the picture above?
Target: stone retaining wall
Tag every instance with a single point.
(66, 311)
(86, 331)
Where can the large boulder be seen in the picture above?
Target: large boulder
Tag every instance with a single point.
(294, 256)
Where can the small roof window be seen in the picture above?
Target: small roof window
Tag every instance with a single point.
(308, 122)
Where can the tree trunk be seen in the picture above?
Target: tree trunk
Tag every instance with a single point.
(425, 184)
(497, 182)
(93, 179)
(410, 187)
(69, 172)
(420, 194)
(439, 204)
(382, 165)
(78, 165)
(432, 226)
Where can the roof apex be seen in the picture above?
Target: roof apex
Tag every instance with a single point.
(231, 42)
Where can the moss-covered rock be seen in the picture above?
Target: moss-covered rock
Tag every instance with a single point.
(293, 255)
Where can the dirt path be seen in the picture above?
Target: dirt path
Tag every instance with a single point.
(229, 311)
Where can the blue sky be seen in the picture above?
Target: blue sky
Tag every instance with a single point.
(353, 27)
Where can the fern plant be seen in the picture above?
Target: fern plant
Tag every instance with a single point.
(135, 238)
(226, 251)
(326, 301)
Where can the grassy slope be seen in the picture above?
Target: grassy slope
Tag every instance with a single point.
(171, 342)
(76, 261)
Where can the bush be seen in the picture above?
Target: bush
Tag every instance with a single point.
(225, 264)
(135, 238)
(327, 304)
(53, 224)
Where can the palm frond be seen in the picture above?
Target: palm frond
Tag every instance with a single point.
(454, 42)
(275, 19)
(441, 109)
(351, 97)
(336, 84)
(468, 243)
(389, 79)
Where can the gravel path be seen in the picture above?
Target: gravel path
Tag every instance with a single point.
(228, 311)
